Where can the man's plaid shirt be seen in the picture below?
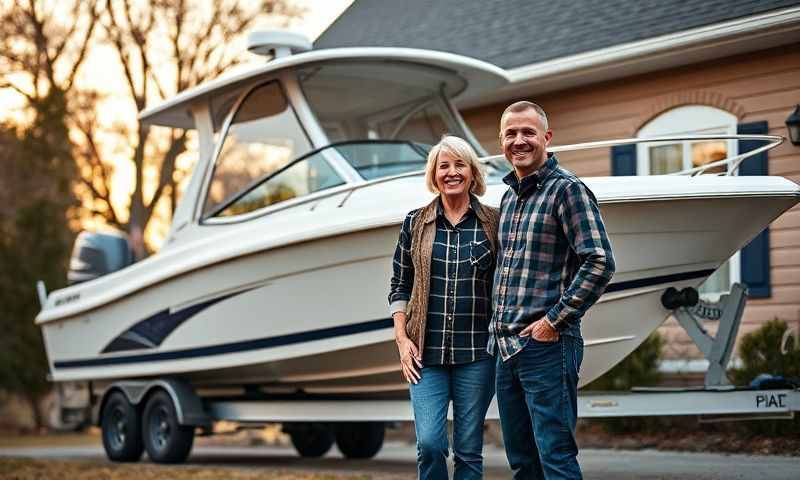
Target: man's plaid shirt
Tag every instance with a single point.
(459, 308)
(554, 257)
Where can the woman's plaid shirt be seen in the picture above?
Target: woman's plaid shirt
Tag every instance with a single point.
(554, 257)
(459, 300)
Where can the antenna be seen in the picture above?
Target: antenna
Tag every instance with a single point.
(42, 292)
(277, 43)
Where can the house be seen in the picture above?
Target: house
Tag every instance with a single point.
(627, 68)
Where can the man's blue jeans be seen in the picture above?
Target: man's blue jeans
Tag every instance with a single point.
(470, 386)
(537, 401)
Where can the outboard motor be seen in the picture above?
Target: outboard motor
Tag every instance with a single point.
(98, 254)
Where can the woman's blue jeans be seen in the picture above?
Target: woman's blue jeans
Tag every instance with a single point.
(537, 401)
(470, 387)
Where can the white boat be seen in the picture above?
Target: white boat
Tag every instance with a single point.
(275, 273)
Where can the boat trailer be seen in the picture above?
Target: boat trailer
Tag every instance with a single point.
(357, 425)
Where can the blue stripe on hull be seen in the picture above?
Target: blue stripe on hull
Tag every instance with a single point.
(649, 282)
(321, 334)
(234, 347)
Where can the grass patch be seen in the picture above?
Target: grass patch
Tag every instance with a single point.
(30, 469)
(10, 440)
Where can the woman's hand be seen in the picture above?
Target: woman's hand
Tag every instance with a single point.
(410, 359)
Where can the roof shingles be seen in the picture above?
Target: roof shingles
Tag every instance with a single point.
(513, 33)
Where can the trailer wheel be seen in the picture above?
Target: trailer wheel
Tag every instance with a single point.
(165, 439)
(122, 429)
(311, 440)
(361, 439)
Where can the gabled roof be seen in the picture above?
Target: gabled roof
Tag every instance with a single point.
(515, 33)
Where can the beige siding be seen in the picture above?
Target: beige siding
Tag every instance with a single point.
(761, 86)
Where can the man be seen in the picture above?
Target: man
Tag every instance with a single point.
(554, 261)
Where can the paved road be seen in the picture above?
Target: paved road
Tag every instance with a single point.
(396, 461)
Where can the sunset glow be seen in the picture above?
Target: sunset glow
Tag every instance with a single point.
(115, 113)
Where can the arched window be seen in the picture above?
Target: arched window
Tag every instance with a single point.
(661, 158)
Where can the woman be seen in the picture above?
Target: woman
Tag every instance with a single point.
(440, 300)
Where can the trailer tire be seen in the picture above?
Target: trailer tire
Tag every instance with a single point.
(165, 440)
(360, 439)
(122, 429)
(312, 440)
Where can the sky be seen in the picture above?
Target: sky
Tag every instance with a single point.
(319, 14)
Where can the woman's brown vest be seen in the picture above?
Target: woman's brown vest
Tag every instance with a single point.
(423, 232)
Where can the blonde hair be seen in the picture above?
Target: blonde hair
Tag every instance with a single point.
(458, 148)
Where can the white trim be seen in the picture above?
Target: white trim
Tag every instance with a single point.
(209, 167)
(479, 75)
(185, 213)
(707, 33)
(686, 120)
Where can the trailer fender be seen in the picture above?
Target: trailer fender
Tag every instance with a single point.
(188, 406)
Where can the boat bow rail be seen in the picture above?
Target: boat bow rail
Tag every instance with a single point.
(771, 141)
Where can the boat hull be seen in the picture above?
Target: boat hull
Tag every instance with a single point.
(311, 316)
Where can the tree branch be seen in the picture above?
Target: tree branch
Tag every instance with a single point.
(109, 215)
(83, 48)
(59, 48)
(177, 146)
(9, 84)
(180, 62)
(40, 39)
(94, 157)
(114, 31)
(139, 37)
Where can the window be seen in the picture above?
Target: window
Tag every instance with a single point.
(663, 158)
(300, 178)
(382, 101)
(264, 136)
(372, 159)
(377, 159)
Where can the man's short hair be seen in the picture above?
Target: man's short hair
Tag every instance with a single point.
(522, 106)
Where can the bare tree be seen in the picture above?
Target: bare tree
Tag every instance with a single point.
(164, 47)
(161, 47)
(40, 58)
(40, 53)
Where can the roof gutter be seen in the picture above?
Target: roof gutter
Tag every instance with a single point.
(757, 32)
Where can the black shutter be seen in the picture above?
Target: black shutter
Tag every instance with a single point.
(623, 160)
(755, 256)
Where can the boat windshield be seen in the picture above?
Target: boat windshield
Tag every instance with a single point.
(374, 159)
(362, 100)
(312, 173)
(263, 137)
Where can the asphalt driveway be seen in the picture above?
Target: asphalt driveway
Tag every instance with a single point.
(396, 460)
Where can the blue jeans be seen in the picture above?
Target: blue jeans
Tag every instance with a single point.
(470, 386)
(537, 400)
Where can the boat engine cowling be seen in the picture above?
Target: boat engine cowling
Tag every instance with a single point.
(96, 254)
